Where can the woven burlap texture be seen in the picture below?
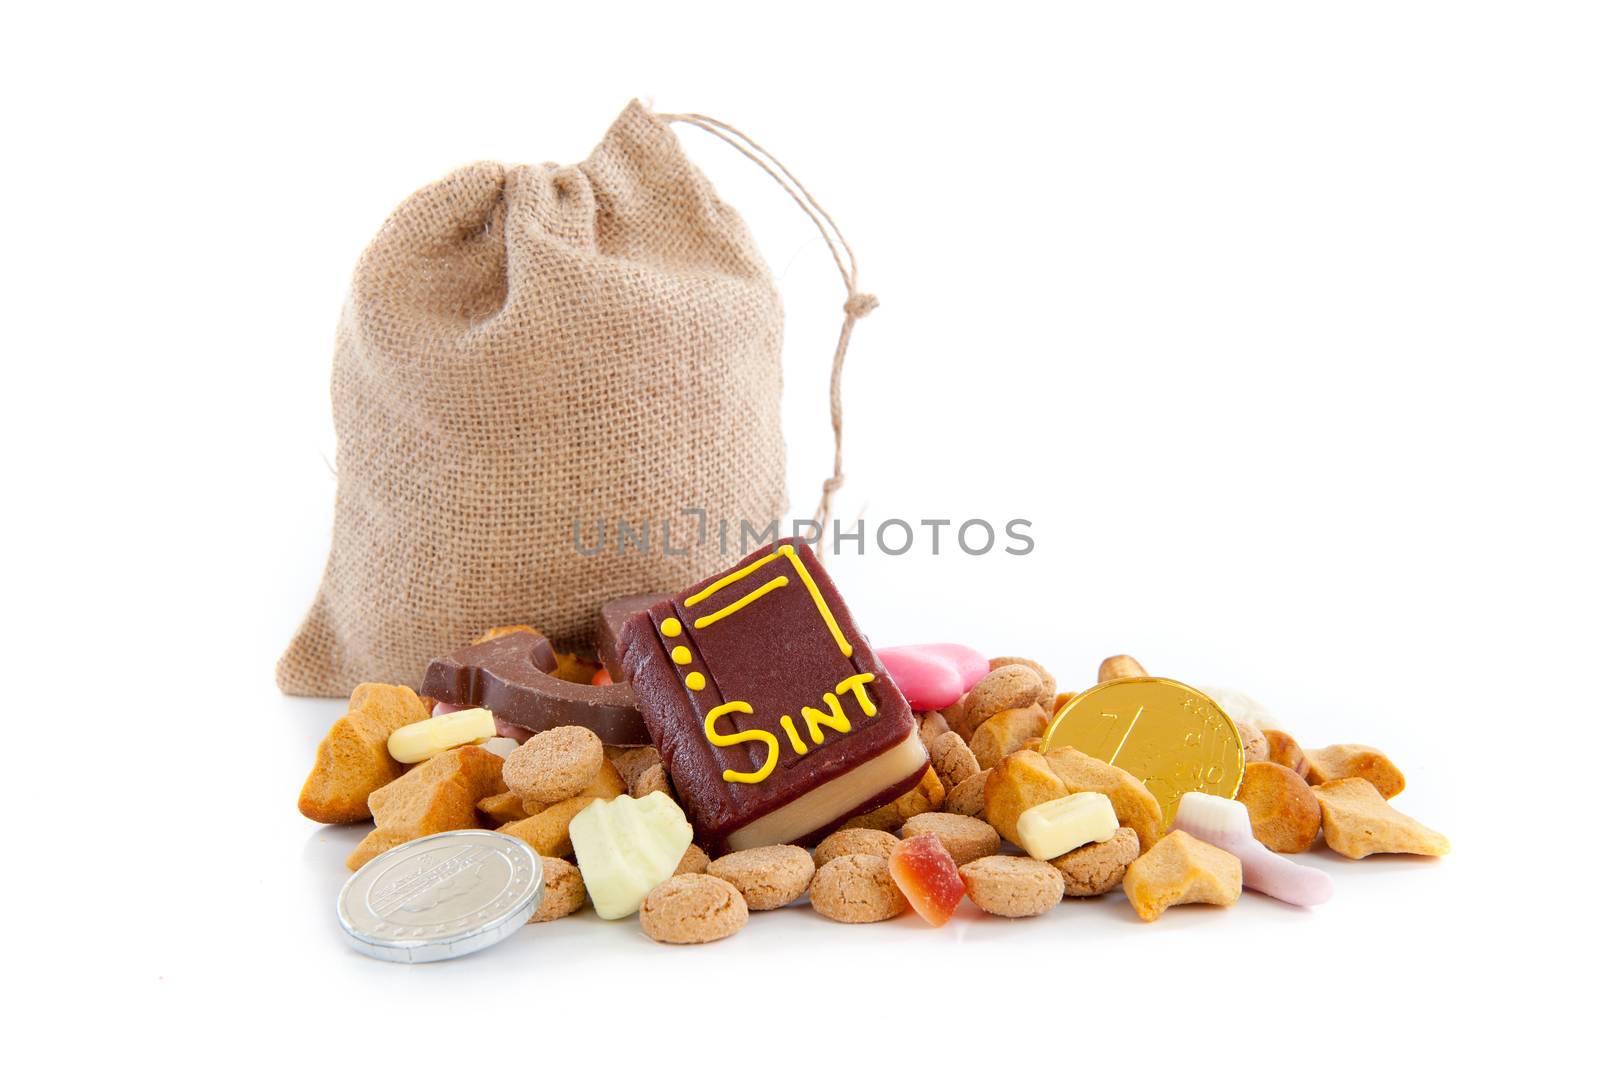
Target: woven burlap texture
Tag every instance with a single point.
(524, 348)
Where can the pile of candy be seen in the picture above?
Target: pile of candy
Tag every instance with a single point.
(942, 775)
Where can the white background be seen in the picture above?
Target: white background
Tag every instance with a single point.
(1278, 321)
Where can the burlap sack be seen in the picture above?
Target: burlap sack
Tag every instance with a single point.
(525, 347)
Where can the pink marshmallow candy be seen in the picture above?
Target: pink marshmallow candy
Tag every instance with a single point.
(505, 728)
(1225, 823)
(932, 676)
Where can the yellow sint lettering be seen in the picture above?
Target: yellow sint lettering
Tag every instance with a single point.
(746, 736)
(794, 737)
(858, 684)
(834, 719)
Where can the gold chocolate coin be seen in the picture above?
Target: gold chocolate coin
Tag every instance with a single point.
(1172, 737)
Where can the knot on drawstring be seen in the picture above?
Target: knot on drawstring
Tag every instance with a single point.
(860, 305)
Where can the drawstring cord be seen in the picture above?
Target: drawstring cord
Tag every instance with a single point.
(857, 304)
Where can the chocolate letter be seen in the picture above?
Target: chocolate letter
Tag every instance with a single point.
(510, 677)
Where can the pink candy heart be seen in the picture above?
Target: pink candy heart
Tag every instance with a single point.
(932, 676)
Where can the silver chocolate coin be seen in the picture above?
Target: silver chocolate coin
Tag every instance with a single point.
(441, 896)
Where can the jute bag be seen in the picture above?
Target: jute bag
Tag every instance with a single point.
(529, 354)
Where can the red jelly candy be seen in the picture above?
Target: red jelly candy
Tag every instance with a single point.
(601, 677)
(927, 876)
